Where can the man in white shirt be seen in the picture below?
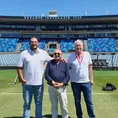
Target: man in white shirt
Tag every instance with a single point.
(81, 76)
(32, 61)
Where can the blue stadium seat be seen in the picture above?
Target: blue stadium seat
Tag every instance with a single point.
(25, 44)
(102, 45)
(66, 45)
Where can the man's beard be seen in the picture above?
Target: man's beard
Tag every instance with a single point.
(34, 48)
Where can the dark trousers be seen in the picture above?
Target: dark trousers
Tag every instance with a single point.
(86, 89)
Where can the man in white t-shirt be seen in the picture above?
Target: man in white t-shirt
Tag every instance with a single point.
(81, 76)
(32, 61)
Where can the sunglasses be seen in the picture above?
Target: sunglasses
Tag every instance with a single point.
(57, 54)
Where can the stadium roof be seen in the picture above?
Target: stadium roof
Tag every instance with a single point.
(59, 19)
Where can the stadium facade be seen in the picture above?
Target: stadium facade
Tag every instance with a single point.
(98, 33)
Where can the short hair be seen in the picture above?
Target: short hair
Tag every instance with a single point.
(33, 38)
(78, 41)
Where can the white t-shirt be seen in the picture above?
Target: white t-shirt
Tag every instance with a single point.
(79, 71)
(33, 65)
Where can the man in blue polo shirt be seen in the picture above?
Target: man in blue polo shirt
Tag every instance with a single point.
(57, 76)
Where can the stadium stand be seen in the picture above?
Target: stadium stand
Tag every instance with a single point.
(8, 44)
(9, 59)
(66, 45)
(102, 61)
(98, 33)
(102, 45)
(42, 44)
(24, 44)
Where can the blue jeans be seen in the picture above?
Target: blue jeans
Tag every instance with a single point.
(86, 89)
(28, 92)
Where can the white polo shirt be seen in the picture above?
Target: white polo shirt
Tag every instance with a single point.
(33, 65)
(79, 73)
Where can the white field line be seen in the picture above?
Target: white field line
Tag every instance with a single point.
(3, 93)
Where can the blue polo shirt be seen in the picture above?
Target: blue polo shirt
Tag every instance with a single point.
(57, 72)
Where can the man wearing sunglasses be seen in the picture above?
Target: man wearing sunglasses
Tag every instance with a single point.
(57, 76)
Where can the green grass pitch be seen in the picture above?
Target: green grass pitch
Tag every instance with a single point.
(105, 103)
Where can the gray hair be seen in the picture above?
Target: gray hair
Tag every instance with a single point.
(78, 41)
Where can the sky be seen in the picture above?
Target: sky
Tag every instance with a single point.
(63, 7)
